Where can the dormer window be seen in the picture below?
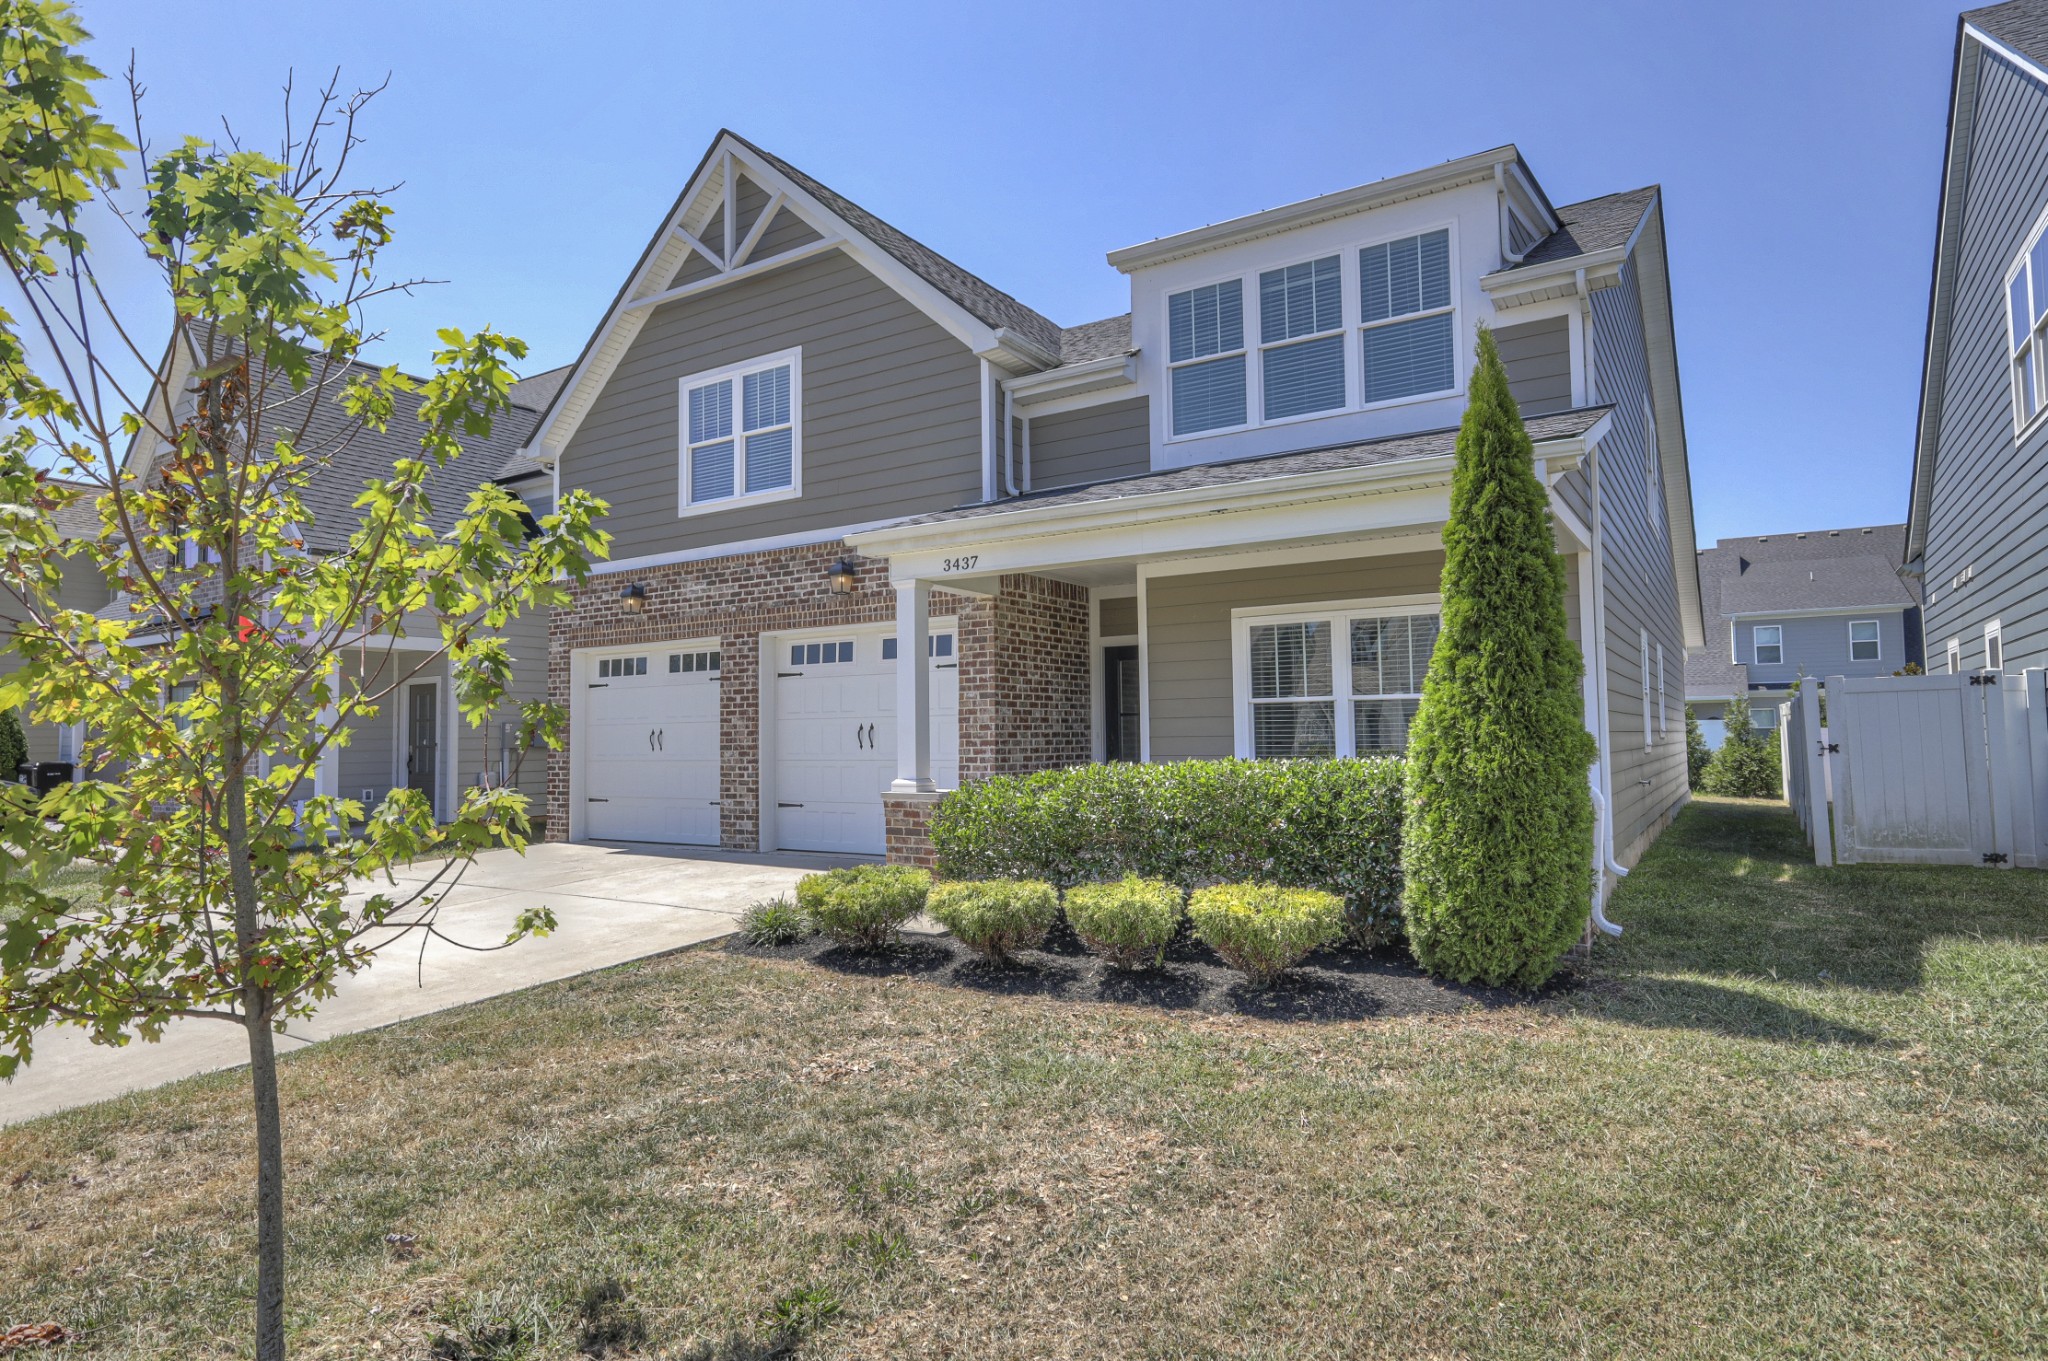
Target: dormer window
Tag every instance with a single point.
(1301, 330)
(1205, 342)
(2026, 297)
(741, 433)
(1409, 323)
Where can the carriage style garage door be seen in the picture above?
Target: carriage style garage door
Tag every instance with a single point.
(650, 725)
(835, 735)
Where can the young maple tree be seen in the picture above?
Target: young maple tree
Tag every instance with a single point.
(252, 639)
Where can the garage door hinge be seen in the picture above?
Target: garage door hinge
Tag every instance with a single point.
(785, 675)
(1996, 857)
(789, 805)
(597, 800)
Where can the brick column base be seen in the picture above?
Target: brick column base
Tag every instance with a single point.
(904, 820)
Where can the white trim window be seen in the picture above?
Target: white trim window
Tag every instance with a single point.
(742, 434)
(1301, 338)
(1955, 656)
(1408, 340)
(1335, 680)
(1767, 644)
(1649, 719)
(1994, 646)
(1863, 640)
(1663, 713)
(1206, 357)
(2026, 315)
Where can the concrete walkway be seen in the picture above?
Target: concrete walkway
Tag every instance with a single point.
(612, 904)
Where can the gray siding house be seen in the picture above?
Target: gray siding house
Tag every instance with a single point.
(882, 528)
(1783, 607)
(1978, 525)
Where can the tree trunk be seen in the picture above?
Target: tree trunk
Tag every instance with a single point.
(269, 1191)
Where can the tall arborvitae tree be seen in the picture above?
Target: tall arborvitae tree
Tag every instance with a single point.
(1497, 851)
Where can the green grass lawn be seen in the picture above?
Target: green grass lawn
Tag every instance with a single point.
(1793, 1112)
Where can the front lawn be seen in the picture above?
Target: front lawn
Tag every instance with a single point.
(1792, 1112)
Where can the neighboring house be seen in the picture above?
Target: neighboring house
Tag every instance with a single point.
(1779, 607)
(1210, 527)
(82, 589)
(1980, 468)
(418, 738)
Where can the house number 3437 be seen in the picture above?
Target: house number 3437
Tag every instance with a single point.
(961, 564)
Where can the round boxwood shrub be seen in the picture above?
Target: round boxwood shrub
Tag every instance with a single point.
(1128, 922)
(1260, 929)
(863, 906)
(994, 917)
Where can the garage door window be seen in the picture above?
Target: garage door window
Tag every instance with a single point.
(935, 645)
(820, 654)
(686, 662)
(608, 667)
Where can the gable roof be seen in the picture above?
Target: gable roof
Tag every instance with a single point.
(1591, 225)
(1815, 584)
(980, 298)
(2019, 31)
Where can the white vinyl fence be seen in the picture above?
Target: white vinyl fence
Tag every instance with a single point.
(1927, 770)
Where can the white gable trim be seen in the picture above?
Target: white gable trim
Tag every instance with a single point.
(689, 229)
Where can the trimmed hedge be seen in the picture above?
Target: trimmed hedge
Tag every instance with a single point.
(995, 916)
(1130, 922)
(1262, 930)
(864, 905)
(1333, 825)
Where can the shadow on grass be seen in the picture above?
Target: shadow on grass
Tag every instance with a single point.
(1731, 889)
(906, 956)
(1686, 1004)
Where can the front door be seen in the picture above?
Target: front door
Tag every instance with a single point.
(1120, 703)
(422, 737)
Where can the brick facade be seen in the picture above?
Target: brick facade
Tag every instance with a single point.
(905, 818)
(1024, 665)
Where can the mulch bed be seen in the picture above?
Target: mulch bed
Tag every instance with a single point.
(1338, 984)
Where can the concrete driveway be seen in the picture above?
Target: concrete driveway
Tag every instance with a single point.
(612, 903)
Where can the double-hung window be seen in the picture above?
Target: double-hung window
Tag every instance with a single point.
(1863, 640)
(1768, 643)
(1301, 338)
(1332, 683)
(2026, 299)
(741, 433)
(1205, 354)
(1409, 337)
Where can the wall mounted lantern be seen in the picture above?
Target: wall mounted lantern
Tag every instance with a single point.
(845, 578)
(634, 598)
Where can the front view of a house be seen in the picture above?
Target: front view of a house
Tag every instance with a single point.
(879, 528)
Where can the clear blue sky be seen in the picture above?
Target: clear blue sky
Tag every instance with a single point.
(1799, 146)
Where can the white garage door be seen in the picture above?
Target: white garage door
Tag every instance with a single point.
(650, 740)
(835, 736)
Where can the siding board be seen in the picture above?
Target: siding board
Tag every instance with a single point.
(1538, 358)
(1092, 444)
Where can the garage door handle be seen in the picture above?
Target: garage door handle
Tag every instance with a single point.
(661, 739)
(871, 737)
(858, 740)
(789, 805)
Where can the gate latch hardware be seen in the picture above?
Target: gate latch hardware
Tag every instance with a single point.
(1984, 678)
(1995, 857)
(1830, 746)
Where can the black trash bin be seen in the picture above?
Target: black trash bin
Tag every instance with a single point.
(43, 776)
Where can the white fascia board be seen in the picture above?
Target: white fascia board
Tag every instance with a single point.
(1114, 371)
(1465, 170)
(630, 311)
(1555, 278)
(2027, 64)
(1338, 516)
(1820, 612)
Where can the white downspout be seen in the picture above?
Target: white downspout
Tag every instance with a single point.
(1603, 769)
(988, 437)
(1009, 443)
(1027, 451)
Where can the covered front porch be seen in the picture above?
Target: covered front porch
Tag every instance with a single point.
(1271, 608)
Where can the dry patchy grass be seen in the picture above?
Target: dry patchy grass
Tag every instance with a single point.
(1793, 1112)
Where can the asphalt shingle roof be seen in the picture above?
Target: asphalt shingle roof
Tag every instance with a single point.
(1365, 454)
(1096, 339)
(983, 300)
(2022, 25)
(1815, 583)
(1592, 225)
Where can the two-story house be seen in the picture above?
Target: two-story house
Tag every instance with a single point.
(881, 528)
(82, 588)
(417, 738)
(1784, 607)
(1978, 525)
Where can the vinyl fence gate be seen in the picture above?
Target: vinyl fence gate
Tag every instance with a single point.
(1924, 770)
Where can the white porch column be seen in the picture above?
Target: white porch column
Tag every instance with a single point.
(913, 689)
(327, 775)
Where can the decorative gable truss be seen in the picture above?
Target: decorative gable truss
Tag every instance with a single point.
(742, 215)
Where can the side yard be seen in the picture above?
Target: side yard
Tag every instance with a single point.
(1791, 1112)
